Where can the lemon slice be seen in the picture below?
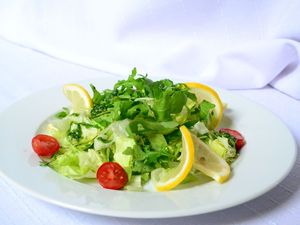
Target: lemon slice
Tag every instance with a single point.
(166, 179)
(209, 162)
(204, 92)
(79, 97)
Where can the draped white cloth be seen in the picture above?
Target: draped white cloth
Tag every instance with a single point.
(232, 44)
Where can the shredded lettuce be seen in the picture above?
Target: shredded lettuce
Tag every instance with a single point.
(77, 164)
(221, 143)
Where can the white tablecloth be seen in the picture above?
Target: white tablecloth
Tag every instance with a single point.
(23, 71)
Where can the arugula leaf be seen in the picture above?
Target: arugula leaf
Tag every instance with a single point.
(134, 71)
(205, 109)
(101, 101)
(174, 141)
(170, 102)
(120, 108)
(133, 87)
(118, 101)
(97, 97)
(146, 127)
(169, 98)
(158, 87)
(152, 160)
(62, 114)
(157, 141)
(75, 132)
(139, 96)
(139, 109)
(136, 152)
(44, 163)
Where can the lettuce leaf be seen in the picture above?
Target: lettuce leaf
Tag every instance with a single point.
(221, 143)
(77, 164)
(147, 127)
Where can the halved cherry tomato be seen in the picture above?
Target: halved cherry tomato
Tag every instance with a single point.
(45, 145)
(240, 140)
(112, 176)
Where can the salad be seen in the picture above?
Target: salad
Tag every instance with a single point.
(140, 132)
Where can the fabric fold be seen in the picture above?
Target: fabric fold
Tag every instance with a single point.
(274, 62)
(231, 44)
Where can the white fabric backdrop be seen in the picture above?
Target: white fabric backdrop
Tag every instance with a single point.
(233, 44)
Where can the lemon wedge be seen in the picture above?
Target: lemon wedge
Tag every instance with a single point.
(204, 92)
(79, 97)
(209, 162)
(166, 179)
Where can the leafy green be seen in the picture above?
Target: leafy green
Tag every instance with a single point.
(75, 132)
(205, 109)
(44, 163)
(157, 141)
(77, 164)
(62, 114)
(146, 158)
(221, 143)
(140, 97)
(144, 126)
(122, 144)
(135, 183)
(170, 102)
(212, 135)
(136, 123)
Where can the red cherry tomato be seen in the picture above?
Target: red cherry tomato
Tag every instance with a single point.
(112, 176)
(240, 140)
(45, 145)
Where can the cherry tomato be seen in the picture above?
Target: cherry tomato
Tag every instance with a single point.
(112, 176)
(240, 140)
(45, 145)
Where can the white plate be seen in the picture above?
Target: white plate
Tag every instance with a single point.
(265, 160)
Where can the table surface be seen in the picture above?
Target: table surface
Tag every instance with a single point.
(24, 71)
